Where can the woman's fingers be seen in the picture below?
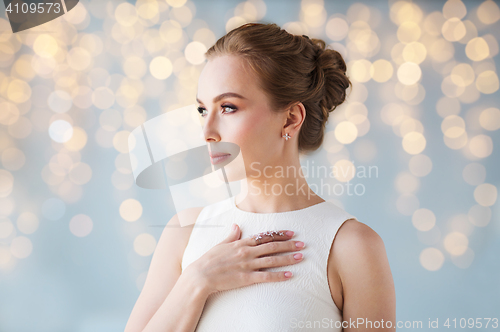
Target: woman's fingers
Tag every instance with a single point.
(277, 247)
(270, 276)
(276, 261)
(264, 237)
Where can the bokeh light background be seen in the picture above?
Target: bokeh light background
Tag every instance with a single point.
(77, 234)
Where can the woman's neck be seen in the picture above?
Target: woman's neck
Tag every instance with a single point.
(277, 188)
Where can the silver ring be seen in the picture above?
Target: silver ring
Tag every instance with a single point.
(259, 236)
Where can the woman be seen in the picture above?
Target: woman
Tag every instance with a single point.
(270, 93)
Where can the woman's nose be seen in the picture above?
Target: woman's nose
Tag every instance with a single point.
(210, 131)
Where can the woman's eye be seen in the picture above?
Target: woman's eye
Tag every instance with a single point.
(201, 110)
(226, 108)
(231, 108)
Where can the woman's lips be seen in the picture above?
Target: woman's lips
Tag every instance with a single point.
(218, 157)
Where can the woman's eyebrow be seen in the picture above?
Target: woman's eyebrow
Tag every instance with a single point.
(224, 95)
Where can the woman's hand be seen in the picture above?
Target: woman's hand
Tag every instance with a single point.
(235, 263)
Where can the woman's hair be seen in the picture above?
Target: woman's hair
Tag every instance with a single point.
(291, 68)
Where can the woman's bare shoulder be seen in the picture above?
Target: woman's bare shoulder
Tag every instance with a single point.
(357, 249)
(355, 239)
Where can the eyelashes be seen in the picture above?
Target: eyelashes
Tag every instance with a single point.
(201, 110)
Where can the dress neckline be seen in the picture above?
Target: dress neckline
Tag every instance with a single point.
(306, 209)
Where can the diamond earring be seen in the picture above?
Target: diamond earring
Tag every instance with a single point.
(286, 136)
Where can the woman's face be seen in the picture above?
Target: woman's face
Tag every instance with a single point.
(236, 110)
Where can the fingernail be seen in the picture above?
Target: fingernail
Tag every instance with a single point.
(288, 274)
(289, 233)
(234, 227)
(299, 244)
(297, 256)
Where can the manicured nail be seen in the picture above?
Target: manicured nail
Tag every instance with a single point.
(289, 233)
(297, 256)
(288, 274)
(299, 244)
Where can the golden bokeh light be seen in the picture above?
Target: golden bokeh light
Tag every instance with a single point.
(431, 259)
(423, 219)
(479, 215)
(235, 22)
(474, 174)
(171, 31)
(450, 89)
(487, 82)
(27, 222)
(356, 112)
(21, 247)
(337, 28)
(409, 32)
(120, 141)
(344, 170)
(441, 50)
(453, 126)
(456, 143)
(456, 243)
(453, 29)
(45, 46)
(414, 52)
(79, 58)
(477, 49)
(462, 74)
(407, 126)
(488, 12)
(80, 173)
(126, 14)
(485, 194)
(130, 209)
(13, 159)
(346, 132)
(454, 9)
(176, 3)
(481, 146)
(77, 141)
(313, 13)
(10, 113)
(433, 23)
(134, 67)
(144, 244)
(414, 142)
(161, 67)
(420, 165)
(110, 119)
(23, 68)
(406, 183)
(381, 70)
(103, 98)
(490, 118)
(195, 53)
(404, 11)
(81, 225)
(360, 70)
(470, 32)
(409, 73)
(18, 91)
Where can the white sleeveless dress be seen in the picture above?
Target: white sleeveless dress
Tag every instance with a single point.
(301, 303)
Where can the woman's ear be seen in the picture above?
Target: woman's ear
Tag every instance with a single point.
(295, 116)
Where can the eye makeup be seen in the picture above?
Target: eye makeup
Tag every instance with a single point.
(202, 110)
